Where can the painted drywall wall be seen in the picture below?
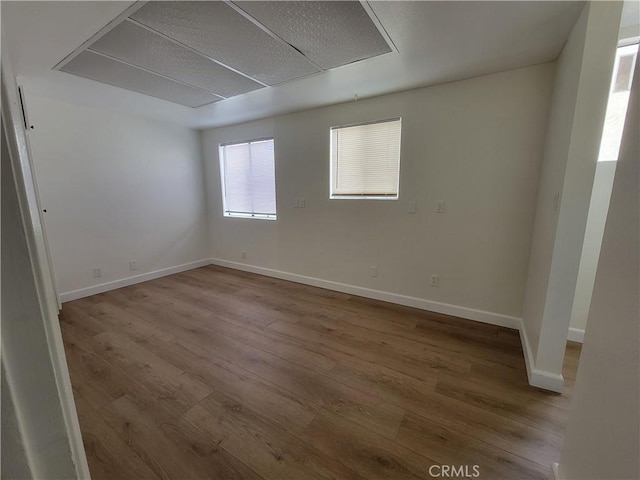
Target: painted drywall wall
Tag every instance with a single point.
(563, 105)
(603, 434)
(37, 434)
(13, 461)
(116, 189)
(598, 208)
(575, 126)
(476, 144)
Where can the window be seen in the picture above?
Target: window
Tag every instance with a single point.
(247, 172)
(365, 160)
(618, 102)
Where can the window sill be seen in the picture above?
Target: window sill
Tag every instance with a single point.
(249, 215)
(363, 197)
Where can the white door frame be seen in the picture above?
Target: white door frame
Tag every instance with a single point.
(43, 223)
(40, 261)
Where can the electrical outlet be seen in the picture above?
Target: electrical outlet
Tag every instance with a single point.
(302, 203)
(435, 280)
(97, 272)
(132, 265)
(413, 206)
(440, 206)
(243, 255)
(373, 271)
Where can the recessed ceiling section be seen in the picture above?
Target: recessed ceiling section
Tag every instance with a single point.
(138, 46)
(113, 72)
(330, 33)
(218, 31)
(198, 52)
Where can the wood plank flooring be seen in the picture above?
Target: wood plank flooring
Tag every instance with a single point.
(220, 374)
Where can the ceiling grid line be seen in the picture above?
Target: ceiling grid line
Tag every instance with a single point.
(142, 48)
(269, 32)
(217, 30)
(111, 57)
(106, 70)
(100, 33)
(198, 52)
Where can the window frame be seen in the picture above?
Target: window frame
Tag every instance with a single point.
(611, 134)
(361, 196)
(634, 52)
(222, 163)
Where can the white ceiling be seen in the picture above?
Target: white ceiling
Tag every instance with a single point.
(437, 42)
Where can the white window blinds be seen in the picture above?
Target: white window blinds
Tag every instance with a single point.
(248, 179)
(365, 160)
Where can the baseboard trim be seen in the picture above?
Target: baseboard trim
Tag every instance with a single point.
(538, 378)
(576, 335)
(125, 282)
(444, 308)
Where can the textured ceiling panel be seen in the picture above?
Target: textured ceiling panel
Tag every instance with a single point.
(220, 32)
(331, 33)
(136, 45)
(97, 67)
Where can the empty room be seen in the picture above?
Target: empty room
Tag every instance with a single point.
(320, 239)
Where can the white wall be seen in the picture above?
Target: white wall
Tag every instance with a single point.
(563, 105)
(13, 461)
(603, 435)
(575, 126)
(116, 188)
(598, 208)
(477, 144)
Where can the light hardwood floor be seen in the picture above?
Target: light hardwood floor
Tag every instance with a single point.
(221, 374)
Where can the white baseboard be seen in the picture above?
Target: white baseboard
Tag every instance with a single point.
(538, 378)
(576, 335)
(445, 308)
(125, 282)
